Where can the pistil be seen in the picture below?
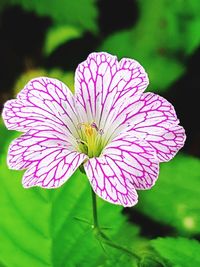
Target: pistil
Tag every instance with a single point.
(90, 141)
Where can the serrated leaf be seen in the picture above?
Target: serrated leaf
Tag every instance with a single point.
(174, 200)
(38, 227)
(160, 40)
(58, 35)
(180, 252)
(81, 14)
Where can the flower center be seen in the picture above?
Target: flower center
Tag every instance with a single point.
(90, 141)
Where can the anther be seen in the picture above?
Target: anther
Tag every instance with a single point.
(79, 126)
(101, 132)
(93, 125)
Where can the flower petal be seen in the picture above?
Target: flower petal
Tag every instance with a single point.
(152, 118)
(102, 84)
(126, 164)
(168, 143)
(108, 182)
(136, 159)
(155, 121)
(146, 114)
(50, 160)
(43, 102)
(153, 111)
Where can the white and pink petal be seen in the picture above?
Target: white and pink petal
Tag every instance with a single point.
(154, 119)
(109, 183)
(147, 114)
(102, 85)
(43, 102)
(143, 115)
(135, 158)
(168, 143)
(53, 170)
(50, 160)
(125, 165)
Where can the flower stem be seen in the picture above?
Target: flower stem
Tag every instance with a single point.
(94, 208)
(101, 236)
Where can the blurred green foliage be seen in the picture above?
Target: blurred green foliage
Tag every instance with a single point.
(58, 35)
(180, 251)
(166, 33)
(173, 200)
(82, 13)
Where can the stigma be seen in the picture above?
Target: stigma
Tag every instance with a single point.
(90, 141)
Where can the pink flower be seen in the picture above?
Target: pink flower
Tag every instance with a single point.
(117, 132)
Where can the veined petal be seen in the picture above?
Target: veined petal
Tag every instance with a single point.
(126, 164)
(157, 123)
(168, 143)
(102, 84)
(135, 158)
(152, 118)
(43, 102)
(50, 160)
(146, 114)
(108, 182)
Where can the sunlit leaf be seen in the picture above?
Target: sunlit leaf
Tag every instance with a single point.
(174, 198)
(180, 252)
(58, 35)
(81, 14)
(39, 227)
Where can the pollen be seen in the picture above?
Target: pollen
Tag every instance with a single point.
(89, 131)
(90, 141)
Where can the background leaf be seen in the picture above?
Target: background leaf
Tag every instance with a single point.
(58, 35)
(82, 13)
(180, 252)
(173, 200)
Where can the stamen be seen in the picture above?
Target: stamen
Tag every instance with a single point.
(79, 126)
(79, 141)
(101, 132)
(93, 125)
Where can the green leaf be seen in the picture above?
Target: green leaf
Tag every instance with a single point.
(180, 252)
(160, 40)
(174, 200)
(4, 134)
(38, 226)
(58, 35)
(81, 14)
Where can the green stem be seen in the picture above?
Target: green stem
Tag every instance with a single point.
(130, 253)
(94, 209)
(101, 235)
